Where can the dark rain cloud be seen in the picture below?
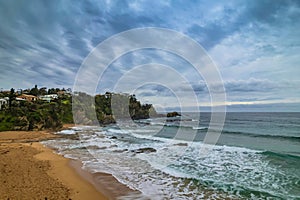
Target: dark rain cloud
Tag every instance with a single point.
(251, 85)
(236, 16)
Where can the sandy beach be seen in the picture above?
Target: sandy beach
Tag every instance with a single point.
(28, 170)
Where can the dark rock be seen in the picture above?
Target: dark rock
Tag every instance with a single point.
(173, 120)
(144, 150)
(94, 147)
(173, 114)
(181, 144)
(120, 151)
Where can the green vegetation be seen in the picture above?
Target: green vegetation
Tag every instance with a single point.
(39, 115)
(109, 107)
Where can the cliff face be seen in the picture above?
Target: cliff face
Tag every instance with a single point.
(109, 108)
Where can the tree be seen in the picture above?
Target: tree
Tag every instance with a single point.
(34, 91)
(53, 91)
(11, 97)
(43, 91)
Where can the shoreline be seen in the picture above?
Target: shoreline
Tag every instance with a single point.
(105, 183)
(29, 170)
(61, 170)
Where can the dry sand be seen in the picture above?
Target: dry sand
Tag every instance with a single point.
(28, 170)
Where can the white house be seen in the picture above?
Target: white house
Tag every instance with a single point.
(3, 102)
(48, 97)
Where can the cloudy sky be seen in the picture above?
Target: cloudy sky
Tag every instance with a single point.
(255, 44)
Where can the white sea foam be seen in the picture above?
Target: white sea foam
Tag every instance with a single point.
(199, 128)
(120, 131)
(66, 132)
(81, 128)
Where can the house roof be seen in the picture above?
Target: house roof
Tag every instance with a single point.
(27, 96)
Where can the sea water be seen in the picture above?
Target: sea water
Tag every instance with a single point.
(256, 157)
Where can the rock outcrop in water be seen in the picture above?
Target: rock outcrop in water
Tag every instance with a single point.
(173, 114)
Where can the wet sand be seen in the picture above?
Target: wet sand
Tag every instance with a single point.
(107, 184)
(28, 170)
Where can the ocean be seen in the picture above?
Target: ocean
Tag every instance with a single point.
(256, 157)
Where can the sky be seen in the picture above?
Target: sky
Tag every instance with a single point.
(255, 44)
